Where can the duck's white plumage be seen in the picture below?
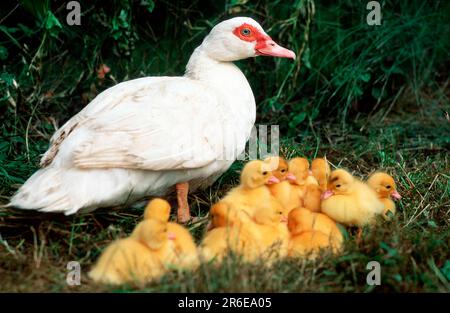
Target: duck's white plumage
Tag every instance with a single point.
(141, 137)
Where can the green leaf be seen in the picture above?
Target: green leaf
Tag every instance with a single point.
(52, 24)
(3, 53)
(315, 113)
(149, 5)
(357, 92)
(306, 57)
(343, 231)
(446, 270)
(392, 252)
(297, 120)
(36, 7)
(365, 77)
(7, 78)
(397, 277)
(376, 93)
(432, 224)
(329, 273)
(390, 215)
(123, 17)
(27, 31)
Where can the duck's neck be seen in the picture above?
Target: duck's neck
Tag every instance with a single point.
(199, 63)
(202, 67)
(230, 86)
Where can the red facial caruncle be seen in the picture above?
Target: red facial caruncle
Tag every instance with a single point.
(250, 33)
(264, 44)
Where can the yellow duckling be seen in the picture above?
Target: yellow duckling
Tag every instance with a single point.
(253, 191)
(280, 166)
(321, 170)
(282, 190)
(287, 192)
(183, 243)
(304, 220)
(265, 232)
(228, 233)
(302, 190)
(385, 187)
(136, 259)
(269, 230)
(312, 232)
(349, 201)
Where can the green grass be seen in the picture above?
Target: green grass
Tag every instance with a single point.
(367, 98)
(412, 249)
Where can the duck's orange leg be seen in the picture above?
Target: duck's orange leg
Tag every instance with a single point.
(183, 213)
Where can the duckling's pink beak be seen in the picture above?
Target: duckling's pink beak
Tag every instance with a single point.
(268, 47)
(326, 194)
(396, 195)
(284, 219)
(291, 177)
(272, 180)
(171, 236)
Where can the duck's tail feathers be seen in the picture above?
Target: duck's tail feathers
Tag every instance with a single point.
(43, 192)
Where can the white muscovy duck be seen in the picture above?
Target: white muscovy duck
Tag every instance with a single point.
(143, 136)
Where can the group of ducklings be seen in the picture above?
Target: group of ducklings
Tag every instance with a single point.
(154, 246)
(279, 209)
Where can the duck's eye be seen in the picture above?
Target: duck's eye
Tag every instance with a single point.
(338, 186)
(246, 32)
(283, 170)
(264, 173)
(388, 187)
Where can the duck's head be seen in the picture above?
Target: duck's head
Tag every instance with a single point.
(321, 170)
(384, 185)
(295, 217)
(158, 209)
(258, 173)
(299, 167)
(281, 168)
(240, 38)
(221, 215)
(339, 183)
(153, 233)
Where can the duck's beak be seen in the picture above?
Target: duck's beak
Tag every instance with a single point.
(291, 177)
(396, 195)
(326, 194)
(284, 219)
(273, 180)
(171, 236)
(268, 47)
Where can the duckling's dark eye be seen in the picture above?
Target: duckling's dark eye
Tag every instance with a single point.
(245, 32)
(388, 187)
(338, 185)
(264, 173)
(283, 170)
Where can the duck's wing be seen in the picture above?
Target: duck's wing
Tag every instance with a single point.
(158, 124)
